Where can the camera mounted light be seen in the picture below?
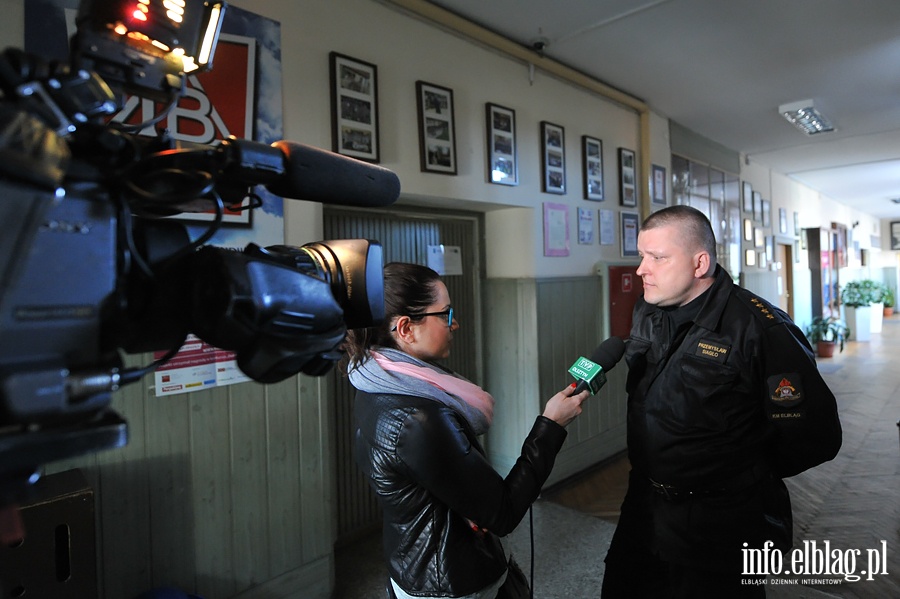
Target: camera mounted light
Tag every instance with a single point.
(148, 45)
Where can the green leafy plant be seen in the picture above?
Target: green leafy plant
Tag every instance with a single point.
(829, 329)
(888, 296)
(858, 294)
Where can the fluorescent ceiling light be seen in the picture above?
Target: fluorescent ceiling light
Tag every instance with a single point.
(804, 116)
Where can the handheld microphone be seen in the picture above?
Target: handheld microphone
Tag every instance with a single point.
(591, 373)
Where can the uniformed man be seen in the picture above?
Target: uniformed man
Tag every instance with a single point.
(724, 400)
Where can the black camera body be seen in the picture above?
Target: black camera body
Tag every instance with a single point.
(91, 267)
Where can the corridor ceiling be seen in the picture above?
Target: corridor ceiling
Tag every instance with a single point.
(721, 68)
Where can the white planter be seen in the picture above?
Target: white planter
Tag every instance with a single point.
(860, 322)
(877, 318)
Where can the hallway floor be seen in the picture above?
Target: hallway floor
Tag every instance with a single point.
(851, 503)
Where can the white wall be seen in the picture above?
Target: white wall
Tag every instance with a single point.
(372, 32)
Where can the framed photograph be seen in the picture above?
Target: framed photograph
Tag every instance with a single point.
(782, 220)
(750, 257)
(747, 198)
(630, 222)
(553, 158)
(556, 229)
(592, 167)
(748, 229)
(766, 213)
(895, 235)
(762, 260)
(770, 248)
(758, 237)
(354, 107)
(627, 178)
(757, 206)
(503, 167)
(437, 133)
(659, 185)
(796, 224)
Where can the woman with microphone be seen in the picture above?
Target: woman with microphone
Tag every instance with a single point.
(445, 507)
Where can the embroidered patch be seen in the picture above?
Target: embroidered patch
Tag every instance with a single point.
(712, 351)
(786, 390)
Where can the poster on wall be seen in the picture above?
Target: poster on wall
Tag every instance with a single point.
(241, 97)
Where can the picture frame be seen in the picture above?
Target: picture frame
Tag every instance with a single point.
(758, 237)
(895, 235)
(747, 198)
(553, 158)
(556, 229)
(627, 178)
(770, 248)
(658, 185)
(628, 232)
(354, 107)
(437, 130)
(757, 206)
(503, 165)
(796, 224)
(748, 229)
(766, 213)
(762, 259)
(750, 257)
(782, 221)
(592, 167)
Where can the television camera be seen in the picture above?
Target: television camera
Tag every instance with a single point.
(90, 265)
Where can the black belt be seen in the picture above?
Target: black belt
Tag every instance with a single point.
(746, 479)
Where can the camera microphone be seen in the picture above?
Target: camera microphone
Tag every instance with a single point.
(591, 373)
(317, 175)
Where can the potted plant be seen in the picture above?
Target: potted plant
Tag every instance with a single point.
(888, 299)
(826, 333)
(857, 298)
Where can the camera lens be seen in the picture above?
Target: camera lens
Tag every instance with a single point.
(353, 268)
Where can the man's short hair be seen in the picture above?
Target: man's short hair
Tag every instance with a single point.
(694, 223)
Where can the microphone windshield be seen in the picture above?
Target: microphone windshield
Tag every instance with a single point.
(609, 353)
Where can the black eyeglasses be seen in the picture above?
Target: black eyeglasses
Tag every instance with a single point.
(448, 313)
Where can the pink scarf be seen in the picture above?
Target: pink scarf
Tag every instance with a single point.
(469, 392)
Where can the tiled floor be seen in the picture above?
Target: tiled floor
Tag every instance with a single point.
(852, 502)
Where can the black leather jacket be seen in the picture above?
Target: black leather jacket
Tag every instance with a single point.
(739, 390)
(444, 505)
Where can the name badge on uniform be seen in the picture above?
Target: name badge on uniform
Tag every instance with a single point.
(712, 350)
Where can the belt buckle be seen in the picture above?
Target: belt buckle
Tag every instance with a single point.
(667, 491)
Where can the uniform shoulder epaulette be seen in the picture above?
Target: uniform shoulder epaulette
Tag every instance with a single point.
(763, 310)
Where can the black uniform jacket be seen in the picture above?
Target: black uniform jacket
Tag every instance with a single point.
(717, 414)
(444, 505)
(739, 391)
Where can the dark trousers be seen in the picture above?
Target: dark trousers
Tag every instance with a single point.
(683, 548)
(646, 576)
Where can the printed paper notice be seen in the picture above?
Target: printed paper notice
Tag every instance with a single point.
(445, 259)
(196, 366)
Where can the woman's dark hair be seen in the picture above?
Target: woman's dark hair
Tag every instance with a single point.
(409, 289)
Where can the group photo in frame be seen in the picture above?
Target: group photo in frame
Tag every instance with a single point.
(627, 179)
(592, 167)
(553, 158)
(658, 185)
(354, 107)
(437, 132)
(503, 166)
